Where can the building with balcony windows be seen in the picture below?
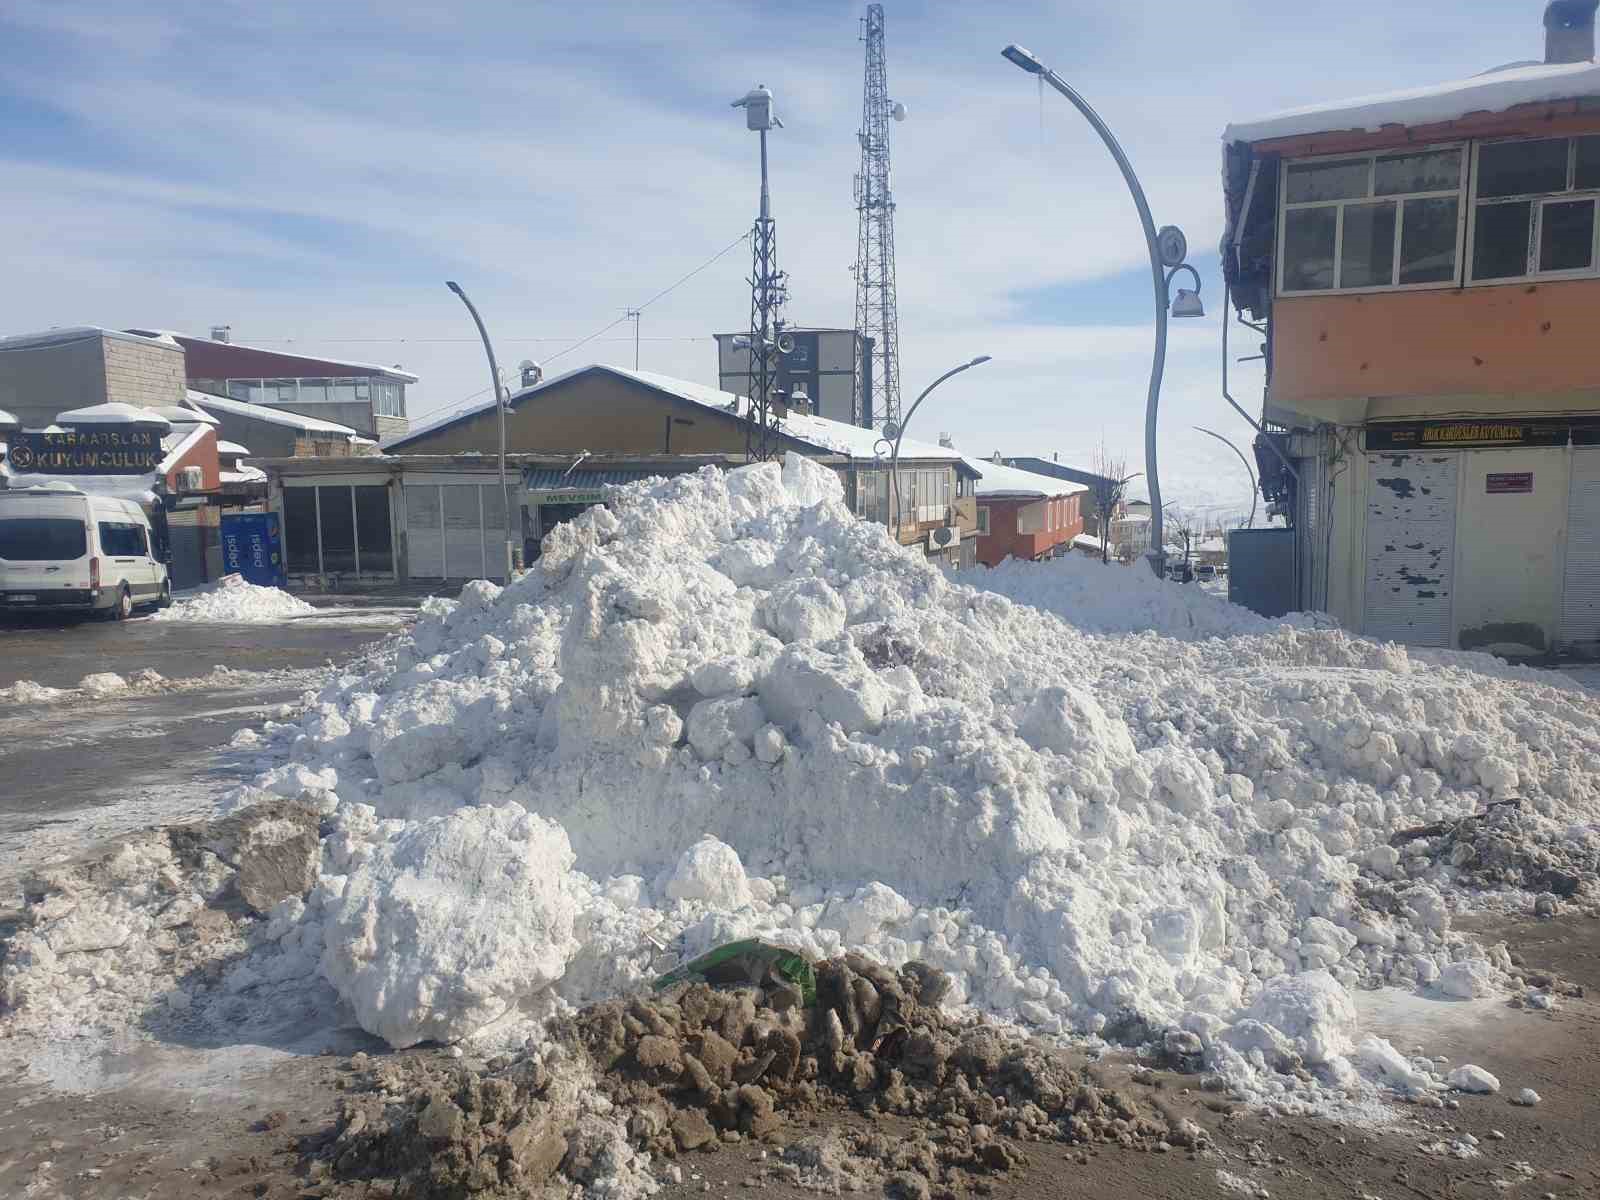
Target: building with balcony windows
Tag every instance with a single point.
(1025, 515)
(367, 398)
(1423, 268)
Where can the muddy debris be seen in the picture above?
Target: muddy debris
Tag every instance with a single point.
(692, 1069)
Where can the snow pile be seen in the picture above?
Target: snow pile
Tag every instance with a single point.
(1109, 598)
(234, 601)
(26, 691)
(1185, 838)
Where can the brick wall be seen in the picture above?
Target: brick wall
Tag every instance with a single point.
(143, 373)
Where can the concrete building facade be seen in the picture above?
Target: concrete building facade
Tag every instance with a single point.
(43, 374)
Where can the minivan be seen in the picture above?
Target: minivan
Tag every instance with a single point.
(61, 549)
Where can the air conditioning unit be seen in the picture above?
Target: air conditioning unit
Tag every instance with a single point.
(191, 479)
(944, 537)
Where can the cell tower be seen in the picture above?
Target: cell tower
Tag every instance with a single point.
(768, 290)
(876, 318)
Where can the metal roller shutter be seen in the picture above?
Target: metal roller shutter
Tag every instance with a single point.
(1410, 547)
(1580, 597)
(424, 532)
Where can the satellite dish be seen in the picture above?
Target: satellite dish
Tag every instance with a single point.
(897, 111)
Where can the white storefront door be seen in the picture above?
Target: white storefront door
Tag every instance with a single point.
(1580, 596)
(1410, 547)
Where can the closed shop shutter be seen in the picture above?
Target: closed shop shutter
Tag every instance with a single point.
(1410, 547)
(424, 532)
(463, 531)
(1311, 537)
(1580, 604)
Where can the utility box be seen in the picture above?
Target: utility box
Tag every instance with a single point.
(1261, 570)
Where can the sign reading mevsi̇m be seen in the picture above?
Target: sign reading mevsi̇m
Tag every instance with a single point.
(104, 450)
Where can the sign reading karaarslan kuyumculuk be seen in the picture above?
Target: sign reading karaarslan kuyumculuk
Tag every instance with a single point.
(101, 450)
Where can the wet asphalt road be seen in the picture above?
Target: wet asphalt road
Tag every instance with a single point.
(80, 769)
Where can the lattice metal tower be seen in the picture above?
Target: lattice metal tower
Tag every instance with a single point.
(876, 318)
(768, 291)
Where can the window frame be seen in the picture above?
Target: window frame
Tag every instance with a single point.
(1537, 200)
(983, 520)
(1460, 193)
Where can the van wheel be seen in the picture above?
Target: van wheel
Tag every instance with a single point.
(123, 609)
(166, 594)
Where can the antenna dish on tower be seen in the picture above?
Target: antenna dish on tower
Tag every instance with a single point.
(897, 111)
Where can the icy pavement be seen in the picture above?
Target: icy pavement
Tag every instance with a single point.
(728, 708)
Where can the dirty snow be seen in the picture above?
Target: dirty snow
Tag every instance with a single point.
(725, 707)
(233, 600)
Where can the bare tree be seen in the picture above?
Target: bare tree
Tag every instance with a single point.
(1105, 494)
(1183, 527)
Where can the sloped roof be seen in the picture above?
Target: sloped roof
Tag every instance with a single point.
(834, 437)
(1001, 480)
(273, 416)
(1492, 92)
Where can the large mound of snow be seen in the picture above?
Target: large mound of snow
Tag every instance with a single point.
(232, 600)
(1121, 835)
(1111, 598)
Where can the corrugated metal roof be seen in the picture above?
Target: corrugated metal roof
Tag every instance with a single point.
(546, 479)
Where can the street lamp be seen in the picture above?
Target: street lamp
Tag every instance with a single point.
(1168, 249)
(1247, 470)
(891, 430)
(500, 407)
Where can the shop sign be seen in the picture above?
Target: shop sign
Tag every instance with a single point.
(101, 450)
(1468, 434)
(568, 496)
(1508, 483)
(252, 546)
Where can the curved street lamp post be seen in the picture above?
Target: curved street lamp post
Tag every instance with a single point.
(1168, 249)
(1242, 459)
(510, 564)
(897, 432)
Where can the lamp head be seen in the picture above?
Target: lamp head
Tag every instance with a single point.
(1187, 304)
(1023, 58)
(453, 286)
(980, 360)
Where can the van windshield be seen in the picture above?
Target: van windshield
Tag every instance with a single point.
(42, 539)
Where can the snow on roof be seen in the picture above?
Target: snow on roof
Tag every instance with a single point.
(177, 338)
(243, 475)
(7, 419)
(179, 445)
(180, 414)
(113, 413)
(1001, 480)
(1493, 91)
(138, 488)
(1088, 541)
(68, 336)
(835, 437)
(232, 448)
(273, 416)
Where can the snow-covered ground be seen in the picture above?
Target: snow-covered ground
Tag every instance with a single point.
(728, 708)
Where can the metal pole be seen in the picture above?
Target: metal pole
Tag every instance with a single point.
(894, 469)
(1028, 63)
(500, 408)
(1242, 458)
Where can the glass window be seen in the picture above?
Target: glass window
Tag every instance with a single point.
(1430, 171)
(1500, 240)
(1366, 254)
(1587, 171)
(1428, 240)
(1308, 241)
(338, 525)
(239, 389)
(1566, 235)
(1311, 181)
(313, 391)
(43, 539)
(344, 391)
(372, 530)
(121, 539)
(983, 520)
(300, 529)
(1522, 168)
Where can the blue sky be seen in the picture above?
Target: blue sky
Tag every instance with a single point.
(311, 173)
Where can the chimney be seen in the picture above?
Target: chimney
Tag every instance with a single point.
(947, 441)
(221, 333)
(1569, 31)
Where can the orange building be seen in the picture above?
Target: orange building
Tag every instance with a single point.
(1025, 515)
(1425, 269)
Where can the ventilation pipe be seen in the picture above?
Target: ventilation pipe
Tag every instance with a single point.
(1569, 31)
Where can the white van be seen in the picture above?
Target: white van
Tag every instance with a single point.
(62, 549)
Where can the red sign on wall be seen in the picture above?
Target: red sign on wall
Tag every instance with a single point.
(1507, 483)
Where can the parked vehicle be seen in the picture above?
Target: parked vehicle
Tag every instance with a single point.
(62, 549)
(1205, 572)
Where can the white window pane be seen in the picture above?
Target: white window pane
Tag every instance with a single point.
(1366, 257)
(1522, 168)
(1500, 241)
(1566, 236)
(1308, 249)
(1431, 171)
(1342, 180)
(1428, 240)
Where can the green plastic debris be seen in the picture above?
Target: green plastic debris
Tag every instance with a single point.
(747, 962)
